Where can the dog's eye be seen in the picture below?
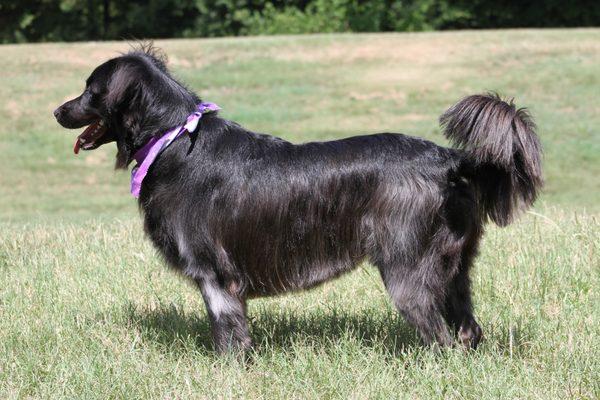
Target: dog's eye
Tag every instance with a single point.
(94, 91)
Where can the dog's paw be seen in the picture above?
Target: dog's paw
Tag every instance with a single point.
(470, 335)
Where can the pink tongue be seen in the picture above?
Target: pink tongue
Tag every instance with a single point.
(78, 142)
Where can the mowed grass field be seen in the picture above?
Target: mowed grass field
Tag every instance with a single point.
(88, 310)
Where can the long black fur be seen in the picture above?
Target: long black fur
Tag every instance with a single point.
(246, 214)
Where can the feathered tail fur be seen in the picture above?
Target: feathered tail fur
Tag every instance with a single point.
(503, 153)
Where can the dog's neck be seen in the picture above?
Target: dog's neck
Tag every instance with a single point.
(156, 145)
(148, 121)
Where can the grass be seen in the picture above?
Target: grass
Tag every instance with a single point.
(87, 310)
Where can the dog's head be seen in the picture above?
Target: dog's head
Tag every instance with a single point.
(126, 100)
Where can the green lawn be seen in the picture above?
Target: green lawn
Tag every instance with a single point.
(87, 310)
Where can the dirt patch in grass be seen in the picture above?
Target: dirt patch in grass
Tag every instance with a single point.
(415, 117)
(394, 95)
(391, 49)
(13, 109)
(89, 56)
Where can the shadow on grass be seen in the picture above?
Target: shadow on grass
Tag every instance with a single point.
(380, 330)
(516, 340)
(170, 326)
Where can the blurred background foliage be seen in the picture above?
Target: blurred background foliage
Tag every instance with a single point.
(80, 20)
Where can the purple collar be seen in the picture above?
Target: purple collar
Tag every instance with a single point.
(148, 153)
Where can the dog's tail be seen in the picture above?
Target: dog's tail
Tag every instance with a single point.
(503, 153)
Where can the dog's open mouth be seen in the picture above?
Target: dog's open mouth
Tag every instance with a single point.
(88, 140)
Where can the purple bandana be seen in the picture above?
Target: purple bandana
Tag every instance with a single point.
(147, 154)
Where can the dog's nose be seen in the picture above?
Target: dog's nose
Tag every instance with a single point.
(57, 112)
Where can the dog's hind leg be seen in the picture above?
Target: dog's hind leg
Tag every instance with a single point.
(227, 313)
(420, 300)
(459, 307)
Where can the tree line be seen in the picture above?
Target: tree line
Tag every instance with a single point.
(80, 20)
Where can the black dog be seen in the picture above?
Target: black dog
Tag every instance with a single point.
(246, 214)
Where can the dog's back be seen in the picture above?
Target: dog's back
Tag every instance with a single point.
(287, 216)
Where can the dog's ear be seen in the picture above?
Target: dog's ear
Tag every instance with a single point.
(122, 87)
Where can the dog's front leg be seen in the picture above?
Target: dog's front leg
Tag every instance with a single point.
(227, 312)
